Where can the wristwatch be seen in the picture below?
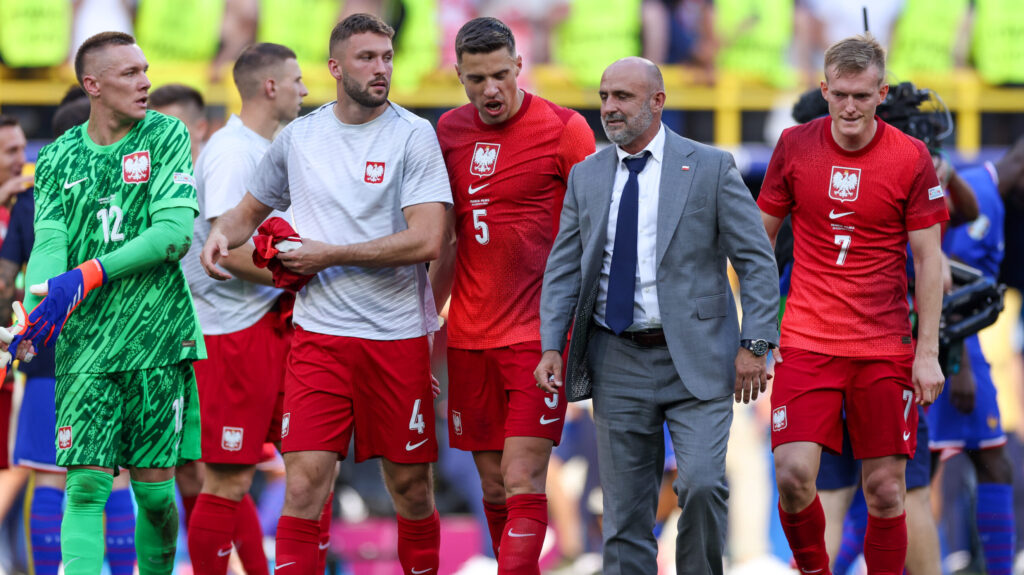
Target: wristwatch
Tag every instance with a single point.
(758, 347)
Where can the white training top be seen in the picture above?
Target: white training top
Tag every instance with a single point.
(348, 184)
(222, 171)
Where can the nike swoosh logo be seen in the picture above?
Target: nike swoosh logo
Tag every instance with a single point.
(70, 561)
(427, 570)
(473, 190)
(325, 545)
(813, 571)
(69, 185)
(514, 534)
(832, 215)
(223, 552)
(285, 565)
(906, 435)
(409, 446)
(544, 420)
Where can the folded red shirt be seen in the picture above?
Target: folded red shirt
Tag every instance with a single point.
(277, 236)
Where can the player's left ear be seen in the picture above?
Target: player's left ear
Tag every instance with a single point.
(458, 72)
(334, 67)
(519, 64)
(270, 88)
(882, 92)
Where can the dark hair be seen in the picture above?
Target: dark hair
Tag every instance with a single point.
(482, 36)
(101, 40)
(255, 59)
(74, 93)
(170, 94)
(6, 121)
(69, 115)
(357, 24)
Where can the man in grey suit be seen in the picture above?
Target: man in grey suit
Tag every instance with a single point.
(640, 265)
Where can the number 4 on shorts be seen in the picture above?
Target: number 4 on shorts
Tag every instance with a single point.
(416, 421)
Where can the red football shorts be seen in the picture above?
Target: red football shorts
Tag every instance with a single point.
(811, 390)
(378, 389)
(492, 395)
(241, 390)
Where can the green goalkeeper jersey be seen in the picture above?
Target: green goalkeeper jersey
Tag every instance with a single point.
(103, 197)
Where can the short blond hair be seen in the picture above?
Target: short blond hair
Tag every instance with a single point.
(854, 55)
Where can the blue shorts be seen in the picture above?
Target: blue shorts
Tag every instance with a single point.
(980, 429)
(842, 470)
(35, 445)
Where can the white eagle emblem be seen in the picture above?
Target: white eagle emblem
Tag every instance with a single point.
(135, 168)
(457, 422)
(844, 184)
(64, 437)
(231, 438)
(779, 421)
(374, 172)
(285, 420)
(485, 156)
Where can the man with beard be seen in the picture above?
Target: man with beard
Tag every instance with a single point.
(366, 185)
(646, 228)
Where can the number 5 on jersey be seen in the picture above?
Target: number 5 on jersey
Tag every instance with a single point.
(110, 218)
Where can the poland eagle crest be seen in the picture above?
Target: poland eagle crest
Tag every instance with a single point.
(779, 421)
(64, 437)
(231, 438)
(135, 167)
(485, 157)
(844, 184)
(374, 173)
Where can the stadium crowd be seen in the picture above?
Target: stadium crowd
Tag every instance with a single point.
(356, 283)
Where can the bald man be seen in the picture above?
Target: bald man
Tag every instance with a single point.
(646, 228)
(115, 200)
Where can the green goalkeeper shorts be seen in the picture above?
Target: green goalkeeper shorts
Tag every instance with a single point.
(145, 419)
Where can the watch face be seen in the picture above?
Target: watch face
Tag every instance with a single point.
(759, 347)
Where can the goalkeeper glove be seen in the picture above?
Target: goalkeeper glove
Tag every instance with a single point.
(63, 294)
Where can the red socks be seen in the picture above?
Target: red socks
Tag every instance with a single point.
(297, 542)
(885, 544)
(248, 538)
(210, 534)
(497, 514)
(325, 534)
(189, 504)
(523, 536)
(805, 531)
(419, 544)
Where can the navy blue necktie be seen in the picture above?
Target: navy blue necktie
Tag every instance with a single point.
(622, 276)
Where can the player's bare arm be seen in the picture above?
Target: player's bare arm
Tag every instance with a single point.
(771, 225)
(549, 371)
(442, 270)
(231, 230)
(419, 243)
(239, 263)
(927, 375)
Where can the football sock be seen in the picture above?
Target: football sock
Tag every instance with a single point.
(248, 538)
(996, 527)
(854, 526)
(297, 541)
(805, 531)
(419, 544)
(210, 534)
(325, 534)
(187, 505)
(120, 532)
(81, 531)
(885, 544)
(497, 514)
(156, 528)
(523, 535)
(45, 513)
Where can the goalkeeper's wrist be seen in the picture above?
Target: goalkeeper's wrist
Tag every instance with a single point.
(93, 274)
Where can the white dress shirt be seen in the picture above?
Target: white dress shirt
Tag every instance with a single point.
(646, 314)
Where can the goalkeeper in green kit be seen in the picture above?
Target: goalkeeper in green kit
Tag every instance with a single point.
(115, 202)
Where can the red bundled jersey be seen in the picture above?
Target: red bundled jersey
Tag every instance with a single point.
(851, 214)
(508, 182)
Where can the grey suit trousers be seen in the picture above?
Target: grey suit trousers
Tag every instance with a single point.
(636, 390)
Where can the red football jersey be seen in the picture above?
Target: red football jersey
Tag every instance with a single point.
(508, 183)
(851, 212)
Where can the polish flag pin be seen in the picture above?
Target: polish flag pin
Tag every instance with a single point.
(686, 168)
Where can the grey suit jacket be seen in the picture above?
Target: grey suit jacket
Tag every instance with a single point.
(705, 215)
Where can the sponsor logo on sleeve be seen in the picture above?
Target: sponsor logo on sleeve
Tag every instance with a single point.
(779, 421)
(231, 438)
(485, 158)
(135, 167)
(64, 437)
(183, 178)
(935, 193)
(844, 184)
(374, 173)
